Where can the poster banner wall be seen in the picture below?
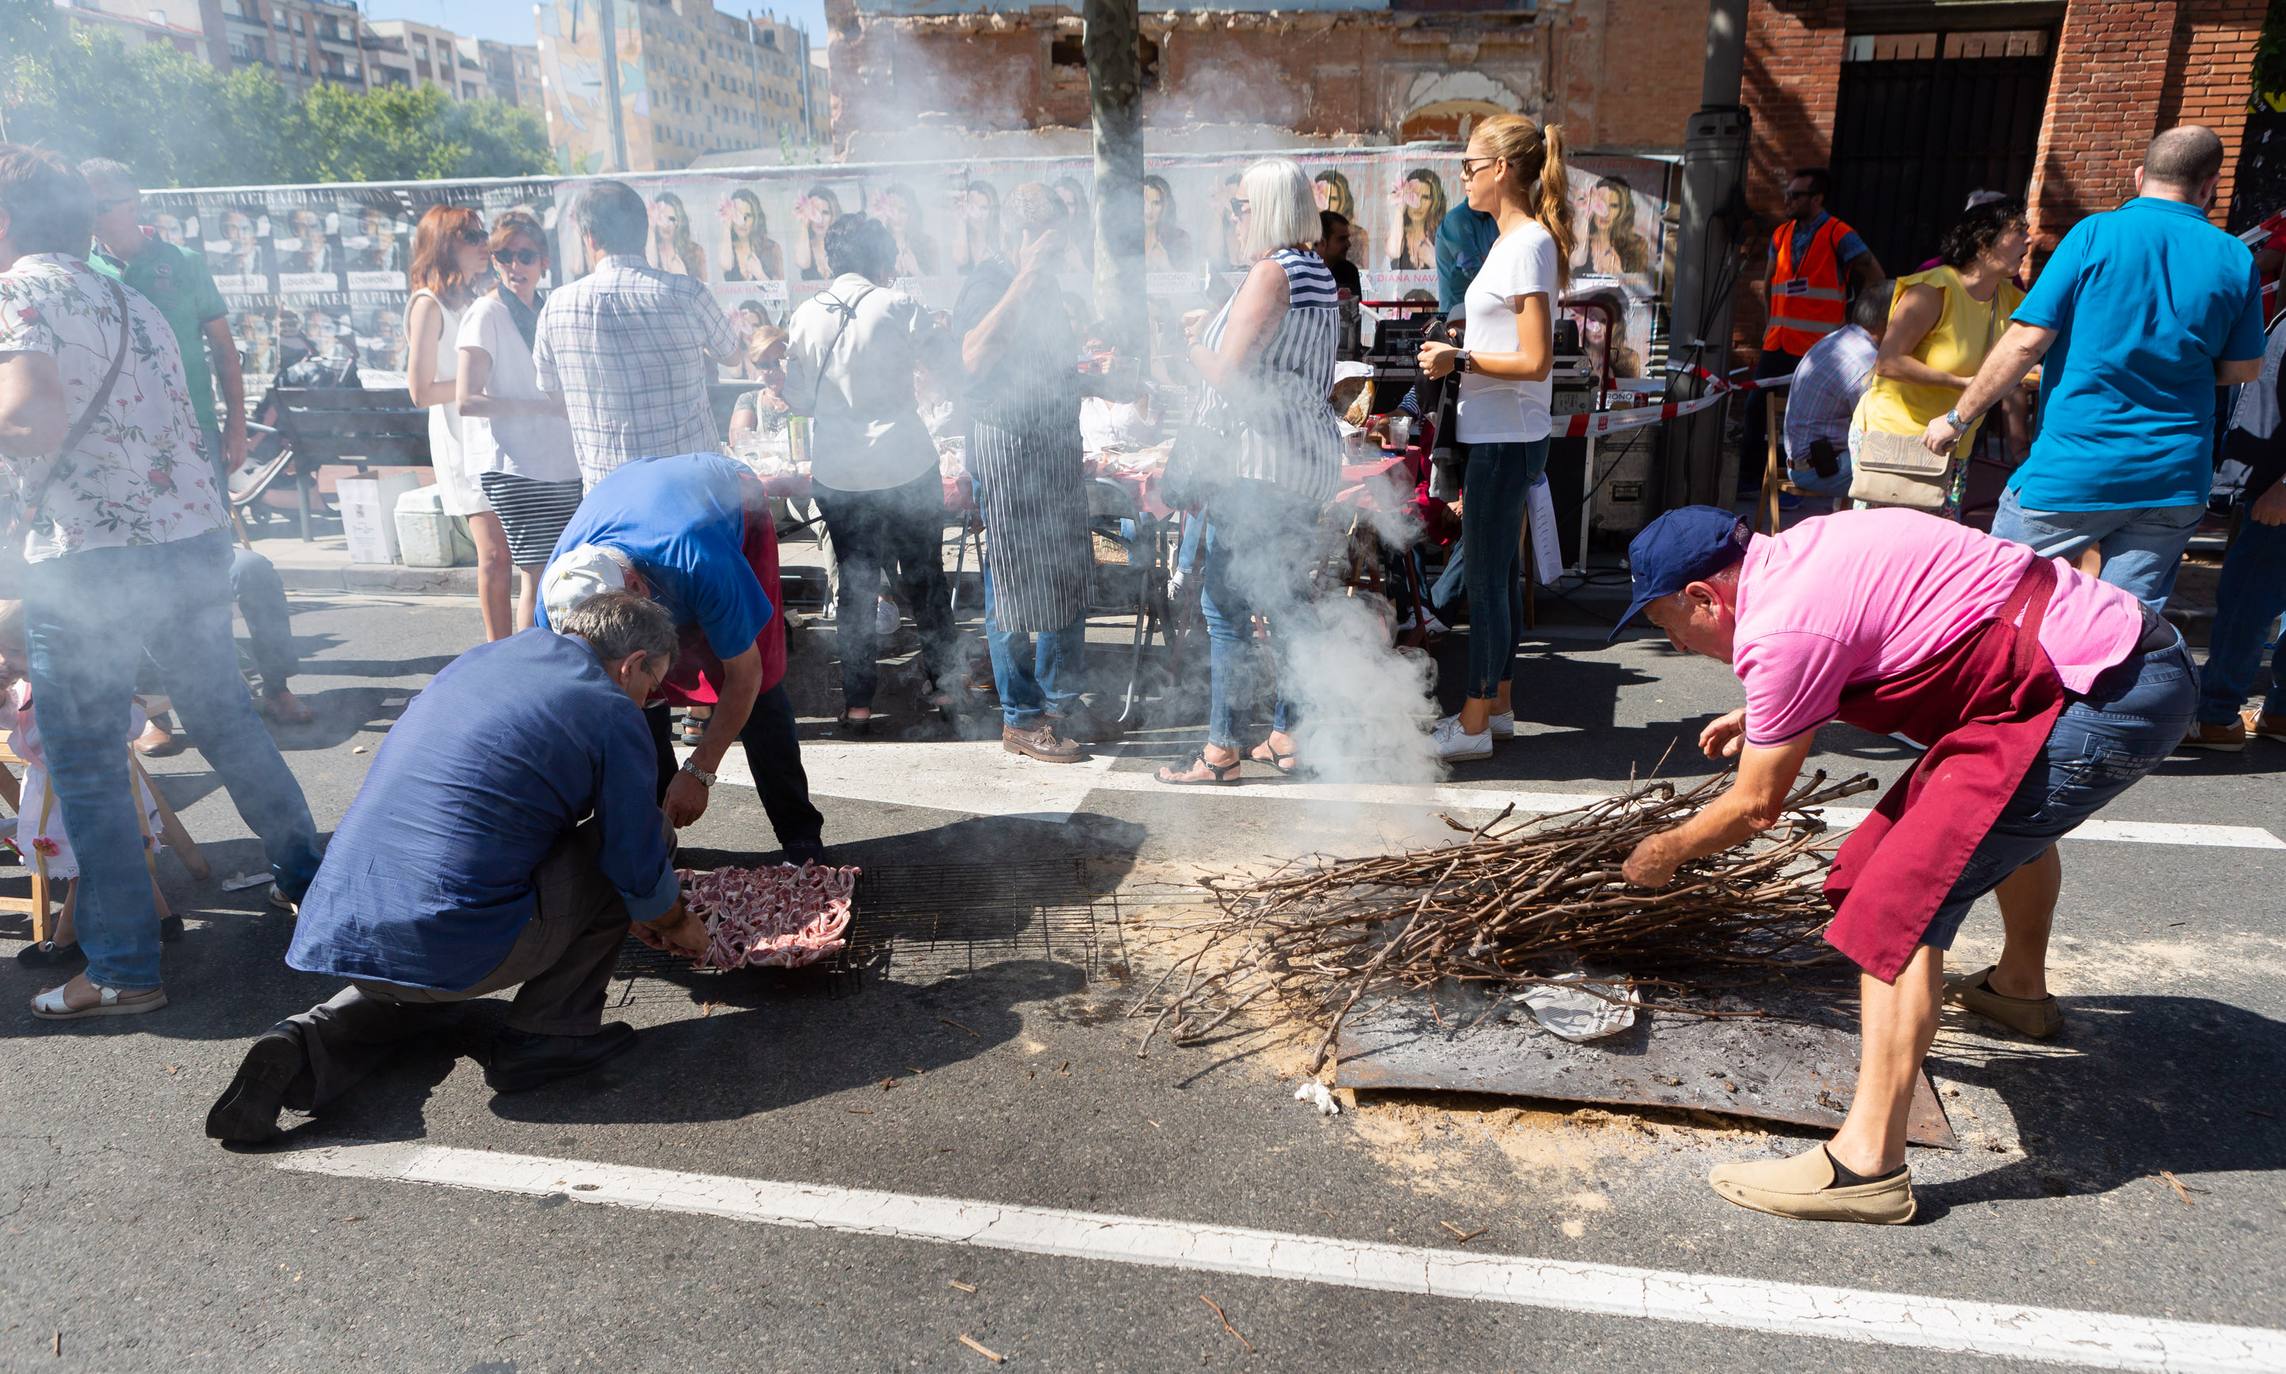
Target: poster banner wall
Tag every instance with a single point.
(756, 236)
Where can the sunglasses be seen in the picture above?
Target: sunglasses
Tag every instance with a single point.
(1470, 164)
(521, 257)
(1792, 194)
(1241, 207)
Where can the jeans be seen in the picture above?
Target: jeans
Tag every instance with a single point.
(2252, 594)
(2131, 719)
(898, 532)
(1258, 551)
(2142, 546)
(1494, 489)
(560, 966)
(1754, 435)
(773, 748)
(89, 618)
(1034, 675)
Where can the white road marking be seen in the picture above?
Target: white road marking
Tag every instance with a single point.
(978, 777)
(2094, 1339)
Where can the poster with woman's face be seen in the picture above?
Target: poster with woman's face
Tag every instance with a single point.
(898, 205)
(1416, 206)
(256, 332)
(975, 229)
(673, 244)
(1615, 233)
(750, 249)
(817, 204)
(235, 235)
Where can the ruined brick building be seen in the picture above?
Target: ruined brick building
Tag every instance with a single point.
(1913, 103)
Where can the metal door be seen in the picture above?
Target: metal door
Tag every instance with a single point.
(1916, 130)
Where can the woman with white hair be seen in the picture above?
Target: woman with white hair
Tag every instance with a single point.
(1267, 361)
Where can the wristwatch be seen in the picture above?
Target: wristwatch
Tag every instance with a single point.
(1463, 361)
(1953, 418)
(705, 778)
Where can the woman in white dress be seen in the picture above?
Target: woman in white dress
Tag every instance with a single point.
(450, 262)
(513, 435)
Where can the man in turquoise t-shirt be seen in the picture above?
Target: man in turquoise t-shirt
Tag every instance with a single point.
(2140, 314)
(176, 281)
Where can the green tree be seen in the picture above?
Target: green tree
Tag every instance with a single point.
(179, 122)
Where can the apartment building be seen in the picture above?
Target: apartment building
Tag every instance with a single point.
(176, 23)
(511, 70)
(693, 81)
(418, 54)
(300, 42)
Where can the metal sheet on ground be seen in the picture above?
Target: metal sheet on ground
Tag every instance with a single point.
(1797, 1067)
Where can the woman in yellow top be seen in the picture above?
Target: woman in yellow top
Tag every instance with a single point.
(1941, 324)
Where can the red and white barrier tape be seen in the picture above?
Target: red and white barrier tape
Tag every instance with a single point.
(1638, 417)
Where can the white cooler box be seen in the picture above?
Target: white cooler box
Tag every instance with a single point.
(426, 536)
(368, 506)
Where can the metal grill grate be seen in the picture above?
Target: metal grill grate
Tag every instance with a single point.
(922, 923)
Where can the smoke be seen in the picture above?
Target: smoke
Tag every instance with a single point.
(1359, 708)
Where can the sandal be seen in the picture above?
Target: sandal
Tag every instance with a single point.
(50, 1005)
(693, 730)
(1266, 752)
(1219, 774)
(856, 725)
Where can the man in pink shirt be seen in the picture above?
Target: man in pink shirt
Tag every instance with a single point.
(2040, 694)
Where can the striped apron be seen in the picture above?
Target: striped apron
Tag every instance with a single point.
(1032, 492)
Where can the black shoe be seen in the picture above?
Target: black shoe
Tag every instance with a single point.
(170, 930)
(49, 954)
(247, 1111)
(522, 1060)
(814, 852)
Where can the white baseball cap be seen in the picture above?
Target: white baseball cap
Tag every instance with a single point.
(579, 574)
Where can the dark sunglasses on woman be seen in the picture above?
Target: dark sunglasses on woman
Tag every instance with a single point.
(522, 257)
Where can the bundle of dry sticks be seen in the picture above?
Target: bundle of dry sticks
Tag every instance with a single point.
(1518, 902)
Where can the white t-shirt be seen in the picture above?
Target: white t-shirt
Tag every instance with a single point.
(1522, 263)
(538, 447)
(850, 359)
(1106, 426)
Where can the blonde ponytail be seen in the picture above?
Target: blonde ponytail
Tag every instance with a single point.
(1555, 212)
(1537, 176)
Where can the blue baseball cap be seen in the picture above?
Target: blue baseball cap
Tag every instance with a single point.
(1686, 545)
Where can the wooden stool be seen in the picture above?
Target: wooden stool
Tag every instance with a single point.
(1774, 480)
(170, 830)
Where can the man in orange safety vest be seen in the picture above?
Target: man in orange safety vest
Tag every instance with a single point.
(1816, 262)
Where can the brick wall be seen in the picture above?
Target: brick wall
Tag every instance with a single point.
(2123, 70)
(2104, 97)
(1792, 77)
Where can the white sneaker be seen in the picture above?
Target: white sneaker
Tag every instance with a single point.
(1504, 725)
(886, 618)
(1454, 744)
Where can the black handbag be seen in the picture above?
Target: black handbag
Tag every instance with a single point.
(1203, 459)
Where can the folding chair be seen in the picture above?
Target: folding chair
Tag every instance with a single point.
(170, 831)
(1126, 586)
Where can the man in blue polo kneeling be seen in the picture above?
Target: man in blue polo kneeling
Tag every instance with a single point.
(508, 836)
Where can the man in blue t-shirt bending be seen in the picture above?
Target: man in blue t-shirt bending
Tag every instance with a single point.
(2141, 314)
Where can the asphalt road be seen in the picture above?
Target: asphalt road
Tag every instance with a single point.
(994, 1063)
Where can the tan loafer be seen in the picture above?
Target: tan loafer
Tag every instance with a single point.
(2227, 738)
(2037, 1017)
(1803, 1188)
(2260, 722)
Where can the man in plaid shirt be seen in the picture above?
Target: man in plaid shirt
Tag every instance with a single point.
(1828, 383)
(630, 349)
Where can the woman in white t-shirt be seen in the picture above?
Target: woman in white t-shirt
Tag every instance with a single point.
(515, 439)
(1513, 171)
